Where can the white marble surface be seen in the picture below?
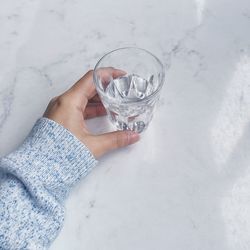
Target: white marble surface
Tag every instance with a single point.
(186, 184)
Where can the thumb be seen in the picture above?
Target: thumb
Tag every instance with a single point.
(114, 140)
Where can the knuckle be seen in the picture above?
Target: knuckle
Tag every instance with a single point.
(60, 100)
(120, 140)
(64, 100)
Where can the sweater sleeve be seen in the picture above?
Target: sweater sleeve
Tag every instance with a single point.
(34, 182)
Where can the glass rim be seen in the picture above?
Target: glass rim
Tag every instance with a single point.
(149, 97)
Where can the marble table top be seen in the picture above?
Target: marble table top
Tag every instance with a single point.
(186, 184)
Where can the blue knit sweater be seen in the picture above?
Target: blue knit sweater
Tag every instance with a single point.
(34, 182)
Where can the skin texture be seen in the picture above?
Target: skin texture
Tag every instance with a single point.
(82, 102)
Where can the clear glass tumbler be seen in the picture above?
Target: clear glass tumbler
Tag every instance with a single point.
(128, 81)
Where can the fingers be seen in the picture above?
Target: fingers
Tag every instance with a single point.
(114, 140)
(93, 110)
(105, 74)
(84, 89)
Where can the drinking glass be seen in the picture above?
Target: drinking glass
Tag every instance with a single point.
(129, 93)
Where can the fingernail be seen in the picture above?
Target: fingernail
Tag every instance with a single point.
(133, 137)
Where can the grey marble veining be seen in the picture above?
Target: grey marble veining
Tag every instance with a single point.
(186, 184)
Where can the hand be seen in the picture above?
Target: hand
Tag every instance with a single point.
(82, 102)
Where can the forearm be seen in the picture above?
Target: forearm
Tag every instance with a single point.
(35, 181)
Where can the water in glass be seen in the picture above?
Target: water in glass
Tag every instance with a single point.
(124, 103)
